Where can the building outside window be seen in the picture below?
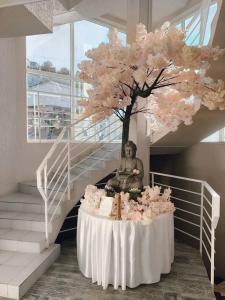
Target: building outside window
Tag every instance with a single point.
(53, 91)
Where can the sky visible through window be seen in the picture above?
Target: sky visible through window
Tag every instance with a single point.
(56, 47)
(51, 47)
(192, 25)
(53, 94)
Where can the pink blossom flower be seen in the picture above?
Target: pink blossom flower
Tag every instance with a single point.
(136, 172)
(112, 68)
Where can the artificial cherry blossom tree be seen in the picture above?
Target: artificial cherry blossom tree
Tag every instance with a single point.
(157, 74)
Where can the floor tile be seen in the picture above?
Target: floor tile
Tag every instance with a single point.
(63, 281)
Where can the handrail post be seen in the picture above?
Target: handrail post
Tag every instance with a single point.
(153, 180)
(212, 253)
(46, 181)
(46, 203)
(46, 223)
(201, 217)
(68, 165)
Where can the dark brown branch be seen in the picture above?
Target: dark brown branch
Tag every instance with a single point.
(145, 85)
(163, 85)
(127, 85)
(116, 112)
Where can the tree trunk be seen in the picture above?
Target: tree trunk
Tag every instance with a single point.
(126, 127)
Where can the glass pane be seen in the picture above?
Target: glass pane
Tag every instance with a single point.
(87, 35)
(48, 84)
(215, 137)
(187, 22)
(123, 37)
(50, 52)
(193, 32)
(33, 132)
(52, 101)
(212, 12)
(47, 114)
(179, 26)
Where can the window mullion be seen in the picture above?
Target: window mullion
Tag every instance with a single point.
(71, 72)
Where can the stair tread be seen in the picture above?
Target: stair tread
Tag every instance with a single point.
(16, 267)
(85, 166)
(22, 198)
(14, 215)
(22, 235)
(33, 184)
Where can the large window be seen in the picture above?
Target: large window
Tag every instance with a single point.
(197, 25)
(53, 91)
(216, 137)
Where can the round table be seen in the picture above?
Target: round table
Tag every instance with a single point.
(124, 253)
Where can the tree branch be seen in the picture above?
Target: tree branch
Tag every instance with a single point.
(116, 112)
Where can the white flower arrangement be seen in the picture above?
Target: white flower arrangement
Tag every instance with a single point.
(151, 204)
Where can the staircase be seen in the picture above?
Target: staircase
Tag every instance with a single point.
(30, 219)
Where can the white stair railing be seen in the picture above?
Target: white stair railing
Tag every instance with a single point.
(197, 211)
(55, 176)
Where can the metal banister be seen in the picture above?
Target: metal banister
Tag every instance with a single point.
(213, 204)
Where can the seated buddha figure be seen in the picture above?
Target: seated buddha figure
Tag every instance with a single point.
(130, 173)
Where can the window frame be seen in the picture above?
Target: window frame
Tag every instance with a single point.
(74, 109)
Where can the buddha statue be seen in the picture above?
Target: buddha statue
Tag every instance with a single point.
(130, 173)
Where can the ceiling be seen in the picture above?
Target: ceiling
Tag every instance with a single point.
(114, 12)
(25, 17)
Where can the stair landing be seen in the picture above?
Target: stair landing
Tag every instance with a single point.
(18, 270)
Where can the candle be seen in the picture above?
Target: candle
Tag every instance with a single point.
(118, 201)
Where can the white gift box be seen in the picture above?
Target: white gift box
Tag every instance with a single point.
(106, 206)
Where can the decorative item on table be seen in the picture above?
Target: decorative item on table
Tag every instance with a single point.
(150, 204)
(134, 193)
(92, 198)
(106, 206)
(130, 173)
(118, 206)
(110, 191)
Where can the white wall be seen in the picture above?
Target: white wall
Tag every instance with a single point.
(8, 116)
(18, 159)
(205, 161)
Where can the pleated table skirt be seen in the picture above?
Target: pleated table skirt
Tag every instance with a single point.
(124, 253)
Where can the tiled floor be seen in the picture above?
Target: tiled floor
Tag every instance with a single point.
(63, 281)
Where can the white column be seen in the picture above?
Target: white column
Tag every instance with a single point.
(139, 11)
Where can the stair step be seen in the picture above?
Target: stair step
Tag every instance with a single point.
(21, 202)
(87, 166)
(22, 240)
(112, 146)
(78, 171)
(23, 221)
(30, 187)
(95, 157)
(95, 163)
(107, 154)
(19, 271)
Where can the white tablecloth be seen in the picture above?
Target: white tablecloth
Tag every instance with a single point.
(124, 253)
